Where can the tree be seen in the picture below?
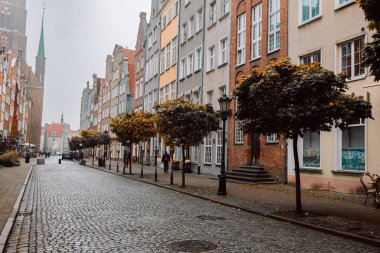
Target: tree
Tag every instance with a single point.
(91, 139)
(75, 143)
(134, 128)
(185, 124)
(371, 56)
(290, 100)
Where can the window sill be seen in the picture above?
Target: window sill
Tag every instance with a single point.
(272, 143)
(181, 79)
(348, 173)
(224, 16)
(207, 164)
(311, 171)
(211, 70)
(211, 26)
(255, 59)
(183, 43)
(274, 51)
(356, 78)
(239, 65)
(199, 31)
(309, 21)
(339, 7)
(196, 71)
(190, 38)
(239, 144)
(222, 65)
(188, 75)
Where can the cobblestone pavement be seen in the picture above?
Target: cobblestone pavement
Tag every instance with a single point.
(70, 208)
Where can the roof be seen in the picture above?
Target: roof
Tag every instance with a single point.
(41, 47)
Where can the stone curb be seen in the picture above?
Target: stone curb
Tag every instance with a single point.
(335, 232)
(12, 216)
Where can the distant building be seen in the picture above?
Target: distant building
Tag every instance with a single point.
(55, 136)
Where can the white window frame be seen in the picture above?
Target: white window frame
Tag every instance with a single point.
(190, 64)
(352, 41)
(273, 138)
(212, 14)
(191, 27)
(182, 68)
(207, 159)
(311, 17)
(241, 39)
(312, 57)
(219, 148)
(225, 7)
(167, 51)
(223, 51)
(198, 59)
(162, 62)
(275, 12)
(199, 20)
(239, 134)
(257, 29)
(175, 50)
(184, 32)
(211, 58)
(339, 5)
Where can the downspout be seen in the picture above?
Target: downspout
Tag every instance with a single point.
(203, 49)
(178, 44)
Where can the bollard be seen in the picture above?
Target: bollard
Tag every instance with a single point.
(199, 170)
(59, 161)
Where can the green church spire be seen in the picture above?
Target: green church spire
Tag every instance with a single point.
(41, 48)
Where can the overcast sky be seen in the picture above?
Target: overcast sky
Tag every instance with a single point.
(78, 36)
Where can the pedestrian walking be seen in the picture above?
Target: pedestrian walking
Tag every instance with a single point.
(166, 160)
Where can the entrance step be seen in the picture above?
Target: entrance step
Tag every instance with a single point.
(250, 174)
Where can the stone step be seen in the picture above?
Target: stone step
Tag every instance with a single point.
(252, 183)
(248, 179)
(249, 175)
(255, 171)
(251, 167)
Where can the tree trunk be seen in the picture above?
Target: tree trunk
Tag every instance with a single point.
(130, 159)
(93, 155)
(142, 163)
(298, 177)
(183, 166)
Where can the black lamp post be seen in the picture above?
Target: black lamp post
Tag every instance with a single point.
(105, 151)
(155, 161)
(110, 152)
(117, 163)
(171, 169)
(142, 162)
(224, 103)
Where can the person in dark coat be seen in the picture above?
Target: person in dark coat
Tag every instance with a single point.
(166, 160)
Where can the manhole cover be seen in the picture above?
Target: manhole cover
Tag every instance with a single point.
(208, 217)
(193, 246)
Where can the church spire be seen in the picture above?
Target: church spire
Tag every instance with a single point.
(62, 120)
(41, 48)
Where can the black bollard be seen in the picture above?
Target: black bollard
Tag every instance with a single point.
(59, 161)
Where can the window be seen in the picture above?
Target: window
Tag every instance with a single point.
(187, 2)
(150, 41)
(272, 138)
(199, 20)
(239, 135)
(162, 69)
(353, 146)
(190, 64)
(156, 64)
(219, 148)
(210, 97)
(223, 45)
(184, 33)
(169, 15)
(341, 3)
(176, 8)
(208, 149)
(241, 39)
(212, 13)
(164, 22)
(155, 35)
(191, 27)
(274, 25)
(211, 58)
(172, 90)
(222, 91)
(137, 89)
(198, 58)
(168, 56)
(256, 31)
(310, 10)
(141, 86)
(175, 45)
(167, 92)
(161, 96)
(351, 58)
(311, 58)
(182, 68)
(311, 150)
(155, 97)
(225, 7)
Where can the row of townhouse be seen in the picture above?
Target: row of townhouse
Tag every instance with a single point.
(15, 106)
(108, 97)
(198, 50)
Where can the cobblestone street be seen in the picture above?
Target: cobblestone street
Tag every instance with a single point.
(71, 208)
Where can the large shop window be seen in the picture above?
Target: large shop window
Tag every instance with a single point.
(311, 150)
(353, 147)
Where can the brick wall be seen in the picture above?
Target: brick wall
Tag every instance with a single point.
(273, 156)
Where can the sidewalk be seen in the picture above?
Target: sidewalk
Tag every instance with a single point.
(335, 211)
(11, 181)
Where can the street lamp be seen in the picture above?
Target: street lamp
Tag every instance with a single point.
(155, 160)
(171, 169)
(224, 103)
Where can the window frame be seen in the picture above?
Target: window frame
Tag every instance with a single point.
(208, 145)
(242, 31)
(198, 64)
(277, 30)
(352, 54)
(209, 58)
(190, 64)
(238, 134)
(311, 17)
(223, 50)
(213, 17)
(259, 23)
(219, 147)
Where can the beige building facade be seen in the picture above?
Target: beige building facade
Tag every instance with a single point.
(333, 33)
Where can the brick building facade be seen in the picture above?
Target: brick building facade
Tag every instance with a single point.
(258, 35)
